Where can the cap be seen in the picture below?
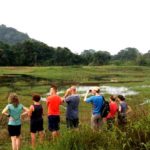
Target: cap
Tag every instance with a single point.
(96, 88)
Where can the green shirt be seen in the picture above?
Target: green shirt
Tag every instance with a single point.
(15, 113)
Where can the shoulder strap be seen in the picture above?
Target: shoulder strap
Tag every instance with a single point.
(103, 98)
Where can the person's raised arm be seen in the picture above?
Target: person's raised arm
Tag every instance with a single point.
(85, 97)
(67, 93)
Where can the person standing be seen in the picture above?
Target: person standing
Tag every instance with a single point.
(123, 110)
(112, 113)
(36, 119)
(97, 101)
(53, 104)
(72, 100)
(14, 110)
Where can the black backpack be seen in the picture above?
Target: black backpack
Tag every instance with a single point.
(105, 108)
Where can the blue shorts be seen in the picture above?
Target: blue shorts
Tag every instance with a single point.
(53, 122)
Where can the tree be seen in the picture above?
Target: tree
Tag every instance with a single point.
(33, 53)
(6, 57)
(128, 54)
(63, 56)
(101, 58)
(87, 56)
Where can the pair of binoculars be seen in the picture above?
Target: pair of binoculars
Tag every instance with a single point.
(90, 90)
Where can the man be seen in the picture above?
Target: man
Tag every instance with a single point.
(72, 101)
(97, 101)
(53, 103)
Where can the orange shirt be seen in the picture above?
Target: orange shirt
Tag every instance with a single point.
(53, 103)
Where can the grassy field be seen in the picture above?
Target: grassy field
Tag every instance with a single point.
(28, 80)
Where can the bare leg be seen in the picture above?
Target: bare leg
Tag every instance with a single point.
(33, 140)
(13, 142)
(55, 134)
(41, 133)
(17, 142)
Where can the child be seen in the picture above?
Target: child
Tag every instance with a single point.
(36, 119)
(14, 110)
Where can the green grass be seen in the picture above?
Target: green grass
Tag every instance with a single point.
(41, 77)
(83, 74)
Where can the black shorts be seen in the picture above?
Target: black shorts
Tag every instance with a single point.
(36, 125)
(14, 130)
(53, 122)
(72, 123)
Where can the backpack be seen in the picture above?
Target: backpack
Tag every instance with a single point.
(105, 108)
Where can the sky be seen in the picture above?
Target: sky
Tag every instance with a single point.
(106, 25)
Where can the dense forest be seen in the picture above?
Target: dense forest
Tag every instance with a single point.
(17, 49)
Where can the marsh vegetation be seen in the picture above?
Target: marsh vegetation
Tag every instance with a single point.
(28, 80)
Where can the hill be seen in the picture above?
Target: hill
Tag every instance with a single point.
(11, 36)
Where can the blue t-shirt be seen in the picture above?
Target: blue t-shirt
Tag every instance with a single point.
(15, 113)
(97, 102)
(72, 106)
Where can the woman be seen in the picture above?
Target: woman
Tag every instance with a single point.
(36, 119)
(112, 113)
(14, 110)
(123, 110)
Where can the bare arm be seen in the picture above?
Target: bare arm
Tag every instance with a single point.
(85, 97)
(67, 93)
(62, 100)
(26, 111)
(128, 109)
(5, 111)
(119, 108)
(31, 109)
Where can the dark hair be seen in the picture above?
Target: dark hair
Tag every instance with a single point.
(112, 97)
(98, 91)
(36, 97)
(121, 97)
(54, 87)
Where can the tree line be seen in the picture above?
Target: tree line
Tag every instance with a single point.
(35, 53)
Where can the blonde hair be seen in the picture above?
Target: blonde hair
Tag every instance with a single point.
(13, 99)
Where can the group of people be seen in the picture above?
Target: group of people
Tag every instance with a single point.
(117, 105)
(15, 110)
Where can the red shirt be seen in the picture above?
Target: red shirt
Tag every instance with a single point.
(53, 103)
(113, 110)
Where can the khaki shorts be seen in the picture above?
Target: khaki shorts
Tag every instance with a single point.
(96, 121)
